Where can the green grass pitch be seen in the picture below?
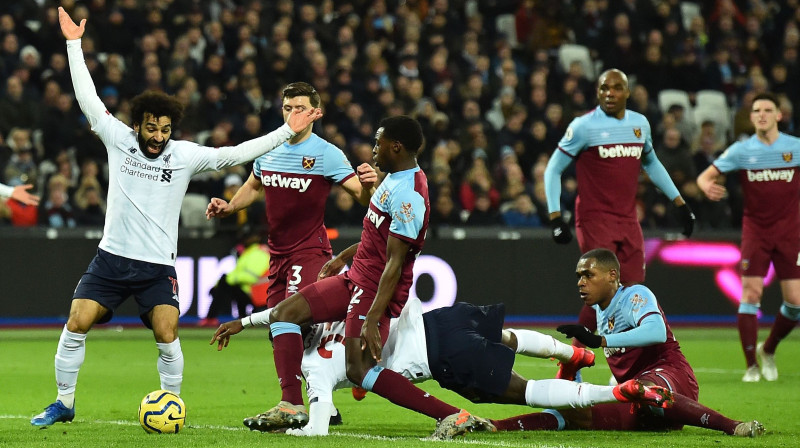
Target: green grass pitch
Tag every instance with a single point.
(220, 388)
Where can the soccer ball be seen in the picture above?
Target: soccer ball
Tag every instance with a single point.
(162, 412)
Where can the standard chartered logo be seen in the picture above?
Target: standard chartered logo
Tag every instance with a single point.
(620, 151)
(142, 170)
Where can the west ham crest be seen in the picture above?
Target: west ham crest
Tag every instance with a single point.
(637, 132)
(308, 162)
(787, 157)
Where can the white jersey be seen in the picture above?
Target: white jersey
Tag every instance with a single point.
(145, 195)
(405, 352)
(5, 191)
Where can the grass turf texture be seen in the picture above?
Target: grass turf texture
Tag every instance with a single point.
(222, 388)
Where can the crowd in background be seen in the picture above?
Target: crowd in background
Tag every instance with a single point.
(482, 76)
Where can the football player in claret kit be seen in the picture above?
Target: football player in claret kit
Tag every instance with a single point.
(767, 164)
(149, 174)
(609, 145)
(296, 180)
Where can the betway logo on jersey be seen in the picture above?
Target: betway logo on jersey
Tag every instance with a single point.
(281, 181)
(607, 152)
(770, 175)
(375, 218)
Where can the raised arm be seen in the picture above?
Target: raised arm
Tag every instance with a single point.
(85, 91)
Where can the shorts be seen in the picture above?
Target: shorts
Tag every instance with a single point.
(783, 252)
(624, 238)
(290, 273)
(338, 298)
(465, 353)
(110, 280)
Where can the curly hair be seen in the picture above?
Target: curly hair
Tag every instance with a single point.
(159, 104)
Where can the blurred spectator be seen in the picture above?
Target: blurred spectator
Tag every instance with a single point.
(675, 155)
(15, 109)
(521, 212)
(55, 211)
(445, 213)
(478, 182)
(21, 167)
(483, 213)
(343, 210)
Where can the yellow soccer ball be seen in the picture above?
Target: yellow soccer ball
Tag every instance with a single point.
(162, 412)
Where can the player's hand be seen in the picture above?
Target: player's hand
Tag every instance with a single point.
(298, 121)
(332, 267)
(367, 176)
(371, 339)
(223, 334)
(712, 190)
(21, 194)
(582, 334)
(687, 218)
(68, 27)
(218, 208)
(560, 229)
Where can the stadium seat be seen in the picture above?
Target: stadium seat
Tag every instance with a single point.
(569, 53)
(193, 212)
(722, 119)
(506, 24)
(711, 99)
(668, 97)
(689, 10)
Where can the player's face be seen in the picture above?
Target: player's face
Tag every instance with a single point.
(297, 105)
(613, 93)
(381, 152)
(153, 134)
(765, 115)
(596, 285)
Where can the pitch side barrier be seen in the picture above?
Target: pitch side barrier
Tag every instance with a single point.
(696, 280)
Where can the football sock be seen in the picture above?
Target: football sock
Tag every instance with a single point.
(748, 331)
(563, 393)
(588, 318)
(547, 420)
(170, 365)
(780, 329)
(400, 391)
(287, 349)
(614, 417)
(533, 343)
(70, 354)
(689, 412)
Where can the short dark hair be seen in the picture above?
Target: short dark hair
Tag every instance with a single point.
(296, 89)
(604, 258)
(768, 96)
(405, 130)
(157, 103)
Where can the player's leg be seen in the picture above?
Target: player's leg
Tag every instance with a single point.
(785, 321)
(70, 354)
(747, 323)
(754, 265)
(164, 321)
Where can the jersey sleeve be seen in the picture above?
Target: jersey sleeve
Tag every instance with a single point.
(638, 303)
(407, 209)
(727, 161)
(337, 167)
(574, 139)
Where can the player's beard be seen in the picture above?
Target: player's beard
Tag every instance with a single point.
(145, 146)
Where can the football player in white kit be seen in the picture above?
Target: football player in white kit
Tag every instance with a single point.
(148, 177)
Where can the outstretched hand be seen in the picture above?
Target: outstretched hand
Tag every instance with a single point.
(21, 194)
(223, 334)
(582, 334)
(68, 27)
(218, 208)
(298, 121)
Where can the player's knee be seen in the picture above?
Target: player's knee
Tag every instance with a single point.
(356, 373)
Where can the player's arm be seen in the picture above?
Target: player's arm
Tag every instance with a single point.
(20, 193)
(246, 195)
(223, 334)
(257, 147)
(335, 264)
(362, 185)
(558, 162)
(396, 251)
(650, 331)
(85, 92)
(660, 177)
(708, 183)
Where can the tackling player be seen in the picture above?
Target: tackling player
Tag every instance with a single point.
(767, 164)
(148, 177)
(609, 145)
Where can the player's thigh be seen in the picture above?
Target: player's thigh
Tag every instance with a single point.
(756, 254)
(328, 299)
(290, 273)
(156, 286)
(675, 379)
(791, 291)
(83, 314)
(786, 258)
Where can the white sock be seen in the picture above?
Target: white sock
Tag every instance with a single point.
(563, 393)
(319, 417)
(538, 345)
(170, 365)
(70, 354)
